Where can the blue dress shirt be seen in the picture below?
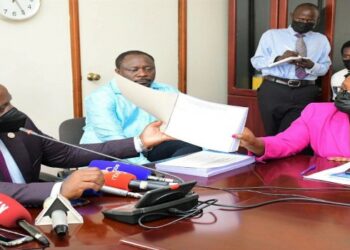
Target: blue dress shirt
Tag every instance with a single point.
(12, 166)
(110, 116)
(275, 42)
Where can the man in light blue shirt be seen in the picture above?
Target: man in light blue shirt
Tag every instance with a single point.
(288, 87)
(110, 116)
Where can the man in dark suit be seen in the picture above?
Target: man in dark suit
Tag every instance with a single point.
(21, 156)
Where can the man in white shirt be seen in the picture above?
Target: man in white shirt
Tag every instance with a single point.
(287, 88)
(339, 77)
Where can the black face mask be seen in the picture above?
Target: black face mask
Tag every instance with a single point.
(301, 27)
(342, 101)
(347, 64)
(12, 121)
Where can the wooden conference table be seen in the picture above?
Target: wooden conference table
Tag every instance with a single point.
(286, 225)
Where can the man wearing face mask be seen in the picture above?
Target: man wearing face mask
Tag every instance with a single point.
(288, 87)
(21, 157)
(339, 77)
(111, 116)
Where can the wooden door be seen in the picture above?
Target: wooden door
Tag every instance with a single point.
(110, 27)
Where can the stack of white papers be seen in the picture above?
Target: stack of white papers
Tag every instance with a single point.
(205, 163)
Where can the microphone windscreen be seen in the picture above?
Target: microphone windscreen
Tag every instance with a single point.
(118, 179)
(138, 171)
(11, 211)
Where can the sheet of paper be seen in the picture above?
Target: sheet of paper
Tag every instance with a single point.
(157, 103)
(210, 125)
(286, 60)
(335, 175)
(206, 124)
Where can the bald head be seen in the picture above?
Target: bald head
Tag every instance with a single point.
(5, 99)
(306, 9)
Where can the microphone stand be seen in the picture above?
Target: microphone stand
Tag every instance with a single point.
(31, 132)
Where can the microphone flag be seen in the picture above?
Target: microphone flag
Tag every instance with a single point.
(139, 172)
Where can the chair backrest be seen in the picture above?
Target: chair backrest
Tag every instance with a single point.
(71, 130)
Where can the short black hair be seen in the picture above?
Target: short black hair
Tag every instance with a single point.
(121, 57)
(345, 45)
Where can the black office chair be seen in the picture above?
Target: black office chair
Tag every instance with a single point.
(71, 130)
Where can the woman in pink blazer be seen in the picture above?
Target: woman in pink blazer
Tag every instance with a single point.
(320, 125)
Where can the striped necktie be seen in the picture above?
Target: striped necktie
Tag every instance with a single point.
(4, 170)
(300, 48)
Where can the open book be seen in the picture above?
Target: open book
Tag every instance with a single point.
(202, 123)
(205, 163)
(286, 60)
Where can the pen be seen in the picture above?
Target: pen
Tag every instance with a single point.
(30, 229)
(312, 167)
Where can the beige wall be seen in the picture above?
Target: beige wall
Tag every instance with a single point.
(207, 49)
(35, 64)
(35, 54)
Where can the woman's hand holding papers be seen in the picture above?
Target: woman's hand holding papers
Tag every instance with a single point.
(250, 142)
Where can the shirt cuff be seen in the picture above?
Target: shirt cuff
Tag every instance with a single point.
(56, 189)
(313, 70)
(138, 144)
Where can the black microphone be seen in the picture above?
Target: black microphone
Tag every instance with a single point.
(120, 192)
(149, 185)
(126, 181)
(31, 132)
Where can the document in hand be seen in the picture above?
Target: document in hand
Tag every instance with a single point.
(286, 60)
(206, 124)
(335, 175)
(205, 163)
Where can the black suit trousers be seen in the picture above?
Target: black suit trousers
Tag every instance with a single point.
(280, 104)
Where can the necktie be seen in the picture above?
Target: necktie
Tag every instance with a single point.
(300, 47)
(4, 170)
